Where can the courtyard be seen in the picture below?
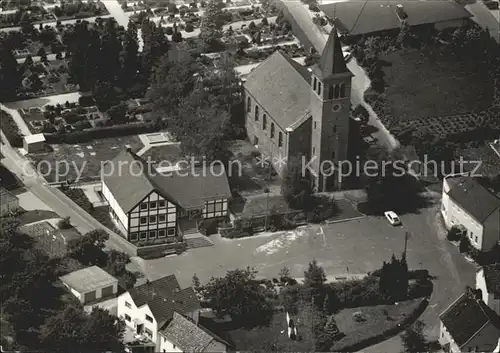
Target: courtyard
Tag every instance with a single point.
(349, 248)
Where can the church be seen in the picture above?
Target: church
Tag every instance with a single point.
(296, 112)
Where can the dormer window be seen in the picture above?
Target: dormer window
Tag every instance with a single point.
(330, 92)
(272, 130)
(256, 113)
(249, 105)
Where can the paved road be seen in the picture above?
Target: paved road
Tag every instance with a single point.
(54, 198)
(53, 24)
(353, 247)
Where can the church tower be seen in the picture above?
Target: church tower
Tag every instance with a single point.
(330, 107)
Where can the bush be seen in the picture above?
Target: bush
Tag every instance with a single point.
(64, 223)
(169, 31)
(86, 101)
(10, 129)
(465, 245)
(189, 28)
(177, 37)
(455, 234)
(208, 226)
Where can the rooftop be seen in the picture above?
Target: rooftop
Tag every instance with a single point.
(465, 318)
(186, 335)
(282, 88)
(361, 17)
(164, 297)
(6, 196)
(34, 138)
(474, 198)
(130, 178)
(492, 278)
(88, 279)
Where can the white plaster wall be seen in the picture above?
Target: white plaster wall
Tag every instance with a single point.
(114, 205)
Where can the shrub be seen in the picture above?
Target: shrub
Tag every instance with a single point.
(177, 37)
(86, 101)
(455, 234)
(208, 226)
(189, 28)
(64, 223)
(465, 245)
(10, 129)
(169, 31)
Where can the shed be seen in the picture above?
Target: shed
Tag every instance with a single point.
(91, 284)
(34, 143)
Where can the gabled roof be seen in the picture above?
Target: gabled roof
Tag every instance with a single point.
(465, 318)
(164, 297)
(332, 60)
(362, 17)
(6, 196)
(474, 198)
(188, 336)
(130, 179)
(492, 278)
(282, 87)
(88, 279)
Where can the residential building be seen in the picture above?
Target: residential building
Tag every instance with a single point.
(8, 202)
(34, 143)
(154, 206)
(54, 242)
(184, 335)
(468, 325)
(149, 308)
(355, 18)
(90, 284)
(292, 112)
(467, 203)
(488, 281)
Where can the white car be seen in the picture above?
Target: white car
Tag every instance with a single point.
(392, 217)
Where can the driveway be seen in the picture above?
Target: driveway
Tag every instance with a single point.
(349, 248)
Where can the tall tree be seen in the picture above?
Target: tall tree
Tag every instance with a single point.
(88, 249)
(315, 275)
(414, 340)
(211, 26)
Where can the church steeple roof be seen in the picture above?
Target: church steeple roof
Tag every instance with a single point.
(332, 60)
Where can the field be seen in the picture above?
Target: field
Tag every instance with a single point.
(434, 85)
(67, 161)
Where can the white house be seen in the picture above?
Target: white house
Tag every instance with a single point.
(90, 284)
(468, 325)
(467, 203)
(34, 143)
(8, 202)
(148, 308)
(151, 206)
(184, 335)
(488, 281)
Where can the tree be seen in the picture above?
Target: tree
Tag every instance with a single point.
(88, 249)
(315, 275)
(116, 262)
(465, 245)
(240, 295)
(284, 274)
(196, 283)
(97, 332)
(211, 26)
(295, 187)
(64, 223)
(117, 113)
(177, 37)
(394, 278)
(414, 340)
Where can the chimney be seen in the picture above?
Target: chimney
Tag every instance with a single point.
(128, 148)
(400, 11)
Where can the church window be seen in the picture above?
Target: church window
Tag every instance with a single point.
(272, 130)
(330, 92)
(280, 139)
(315, 124)
(314, 150)
(256, 113)
(336, 92)
(314, 83)
(334, 128)
(342, 90)
(264, 122)
(319, 88)
(333, 155)
(249, 105)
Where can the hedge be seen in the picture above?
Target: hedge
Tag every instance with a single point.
(99, 133)
(10, 129)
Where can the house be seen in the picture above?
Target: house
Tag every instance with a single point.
(34, 143)
(54, 242)
(8, 202)
(155, 204)
(467, 203)
(149, 308)
(488, 281)
(355, 18)
(467, 325)
(292, 112)
(184, 335)
(90, 284)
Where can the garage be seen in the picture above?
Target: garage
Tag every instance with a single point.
(107, 292)
(90, 296)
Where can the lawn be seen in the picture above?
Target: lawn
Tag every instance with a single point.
(372, 321)
(66, 161)
(36, 216)
(423, 85)
(247, 177)
(263, 338)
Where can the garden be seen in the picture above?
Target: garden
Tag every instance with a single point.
(10, 129)
(26, 16)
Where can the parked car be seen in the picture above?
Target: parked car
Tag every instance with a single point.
(392, 217)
